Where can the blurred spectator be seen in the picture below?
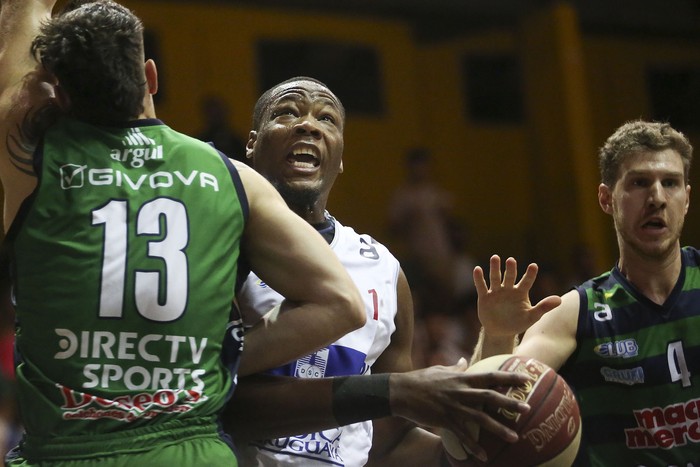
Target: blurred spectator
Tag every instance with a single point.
(218, 130)
(463, 263)
(419, 214)
(445, 337)
(464, 295)
(550, 281)
(583, 265)
(438, 264)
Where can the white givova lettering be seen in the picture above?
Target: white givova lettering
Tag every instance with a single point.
(112, 177)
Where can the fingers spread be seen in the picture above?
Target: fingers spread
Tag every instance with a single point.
(545, 305)
(480, 281)
(510, 273)
(495, 272)
(529, 277)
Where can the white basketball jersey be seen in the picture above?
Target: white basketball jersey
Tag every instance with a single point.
(375, 272)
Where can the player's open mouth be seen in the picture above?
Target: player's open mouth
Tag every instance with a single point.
(302, 159)
(654, 224)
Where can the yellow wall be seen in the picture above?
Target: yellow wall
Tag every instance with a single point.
(616, 72)
(527, 190)
(209, 49)
(485, 166)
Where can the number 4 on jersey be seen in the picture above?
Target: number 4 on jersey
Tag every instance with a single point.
(677, 366)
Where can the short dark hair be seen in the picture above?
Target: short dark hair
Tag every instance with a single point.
(264, 100)
(639, 135)
(95, 51)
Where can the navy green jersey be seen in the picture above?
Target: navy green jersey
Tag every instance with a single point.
(636, 371)
(125, 265)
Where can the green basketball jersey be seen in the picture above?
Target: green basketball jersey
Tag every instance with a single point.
(125, 265)
(636, 372)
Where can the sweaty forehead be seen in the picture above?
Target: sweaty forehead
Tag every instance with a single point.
(666, 161)
(304, 90)
(654, 158)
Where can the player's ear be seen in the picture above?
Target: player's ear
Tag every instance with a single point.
(61, 98)
(605, 198)
(250, 145)
(151, 76)
(340, 170)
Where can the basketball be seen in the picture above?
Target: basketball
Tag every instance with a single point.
(550, 433)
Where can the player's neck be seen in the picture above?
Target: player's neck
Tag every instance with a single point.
(326, 228)
(312, 213)
(149, 109)
(655, 278)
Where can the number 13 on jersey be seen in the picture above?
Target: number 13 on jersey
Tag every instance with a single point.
(164, 218)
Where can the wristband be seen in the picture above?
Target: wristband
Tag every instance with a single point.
(360, 398)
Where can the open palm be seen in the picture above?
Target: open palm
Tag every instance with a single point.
(504, 305)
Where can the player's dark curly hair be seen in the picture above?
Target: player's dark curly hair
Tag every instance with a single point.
(95, 50)
(640, 135)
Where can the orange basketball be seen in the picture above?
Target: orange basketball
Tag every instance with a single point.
(550, 433)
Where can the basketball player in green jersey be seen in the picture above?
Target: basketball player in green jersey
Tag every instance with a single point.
(627, 341)
(126, 241)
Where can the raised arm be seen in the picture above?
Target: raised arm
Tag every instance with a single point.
(322, 303)
(26, 92)
(552, 339)
(505, 312)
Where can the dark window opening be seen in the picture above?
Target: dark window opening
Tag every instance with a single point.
(493, 89)
(351, 71)
(675, 96)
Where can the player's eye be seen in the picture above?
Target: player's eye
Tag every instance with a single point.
(282, 111)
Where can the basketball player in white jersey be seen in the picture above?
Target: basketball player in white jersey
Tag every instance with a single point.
(297, 144)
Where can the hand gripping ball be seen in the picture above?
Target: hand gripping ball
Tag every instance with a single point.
(550, 433)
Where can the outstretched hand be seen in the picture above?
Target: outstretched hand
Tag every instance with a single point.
(448, 397)
(504, 305)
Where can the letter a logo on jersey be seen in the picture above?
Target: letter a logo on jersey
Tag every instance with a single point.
(72, 176)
